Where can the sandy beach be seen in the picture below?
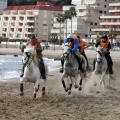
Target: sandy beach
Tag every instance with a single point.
(57, 104)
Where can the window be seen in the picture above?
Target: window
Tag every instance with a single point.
(91, 23)
(105, 0)
(100, 11)
(95, 23)
(105, 6)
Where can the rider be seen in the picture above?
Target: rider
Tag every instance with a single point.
(105, 43)
(36, 43)
(82, 46)
(74, 48)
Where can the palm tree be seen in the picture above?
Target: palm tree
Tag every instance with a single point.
(73, 13)
(67, 15)
(112, 35)
(60, 19)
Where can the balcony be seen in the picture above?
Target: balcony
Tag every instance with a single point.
(110, 23)
(114, 4)
(109, 17)
(113, 11)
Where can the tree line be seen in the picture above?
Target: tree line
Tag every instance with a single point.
(33, 2)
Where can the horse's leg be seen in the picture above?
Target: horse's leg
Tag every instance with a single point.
(102, 80)
(21, 86)
(43, 89)
(63, 83)
(76, 85)
(70, 87)
(36, 87)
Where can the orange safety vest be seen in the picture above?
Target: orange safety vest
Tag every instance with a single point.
(82, 45)
(35, 44)
(104, 45)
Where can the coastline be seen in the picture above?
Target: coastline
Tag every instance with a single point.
(16, 51)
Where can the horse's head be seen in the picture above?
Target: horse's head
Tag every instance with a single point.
(28, 55)
(66, 51)
(99, 54)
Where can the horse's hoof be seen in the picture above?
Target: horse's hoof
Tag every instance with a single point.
(43, 93)
(21, 94)
(69, 92)
(97, 91)
(66, 89)
(76, 86)
(95, 84)
(80, 88)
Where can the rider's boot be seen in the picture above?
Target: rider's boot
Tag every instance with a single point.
(42, 69)
(62, 63)
(22, 71)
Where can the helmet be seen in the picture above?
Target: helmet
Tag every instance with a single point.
(104, 36)
(70, 36)
(33, 37)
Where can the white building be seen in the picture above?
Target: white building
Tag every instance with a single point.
(3, 5)
(88, 16)
(20, 22)
(111, 20)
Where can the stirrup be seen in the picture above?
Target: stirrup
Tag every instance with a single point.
(21, 75)
(61, 70)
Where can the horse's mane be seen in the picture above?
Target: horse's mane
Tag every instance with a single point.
(33, 53)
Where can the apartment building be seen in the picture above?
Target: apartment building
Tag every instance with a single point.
(3, 5)
(88, 16)
(111, 20)
(20, 22)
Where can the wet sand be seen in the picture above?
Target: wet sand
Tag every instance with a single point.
(57, 104)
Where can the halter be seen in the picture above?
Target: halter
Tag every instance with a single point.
(66, 53)
(28, 54)
(100, 60)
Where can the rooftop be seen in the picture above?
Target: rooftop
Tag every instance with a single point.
(38, 6)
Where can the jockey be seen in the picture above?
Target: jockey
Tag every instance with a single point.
(36, 43)
(74, 48)
(82, 47)
(105, 43)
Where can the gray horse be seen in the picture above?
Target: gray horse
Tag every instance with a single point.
(71, 69)
(101, 66)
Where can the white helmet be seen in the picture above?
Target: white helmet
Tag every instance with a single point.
(70, 36)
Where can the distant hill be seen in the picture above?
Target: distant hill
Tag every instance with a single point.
(33, 2)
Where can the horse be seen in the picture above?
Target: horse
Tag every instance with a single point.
(71, 69)
(31, 71)
(101, 66)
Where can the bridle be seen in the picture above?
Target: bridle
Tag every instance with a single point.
(99, 59)
(66, 54)
(28, 54)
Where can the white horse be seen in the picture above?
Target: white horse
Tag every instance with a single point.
(101, 66)
(31, 72)
(71, 69)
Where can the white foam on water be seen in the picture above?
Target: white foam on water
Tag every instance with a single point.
(10, 66)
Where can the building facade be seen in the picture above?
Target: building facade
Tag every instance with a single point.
(3, 5)
(20, 22)
(111, 20)
(88, 16)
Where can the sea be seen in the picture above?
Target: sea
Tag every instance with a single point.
(10, 66)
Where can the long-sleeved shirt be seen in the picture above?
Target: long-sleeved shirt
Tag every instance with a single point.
(76, 44)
